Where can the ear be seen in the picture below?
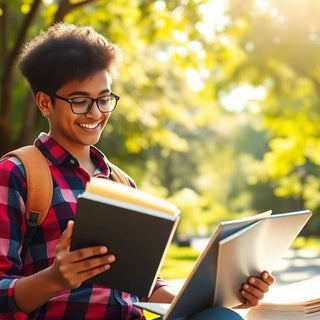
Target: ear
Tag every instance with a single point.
(44, 103)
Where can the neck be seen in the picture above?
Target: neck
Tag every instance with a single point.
(81, 152)
(84, 158)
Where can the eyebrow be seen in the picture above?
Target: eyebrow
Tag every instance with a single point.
(84, 93)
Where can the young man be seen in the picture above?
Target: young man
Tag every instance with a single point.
(70, 70)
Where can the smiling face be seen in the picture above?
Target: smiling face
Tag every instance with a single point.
(76, 132)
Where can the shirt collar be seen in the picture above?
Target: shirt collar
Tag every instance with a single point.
(58, 155)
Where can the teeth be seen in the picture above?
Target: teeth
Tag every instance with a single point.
(88, 126)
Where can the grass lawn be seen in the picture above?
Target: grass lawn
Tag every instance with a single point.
(178, 262)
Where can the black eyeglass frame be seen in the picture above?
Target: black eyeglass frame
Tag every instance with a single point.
(113, 95)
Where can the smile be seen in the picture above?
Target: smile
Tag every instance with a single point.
(89, 126)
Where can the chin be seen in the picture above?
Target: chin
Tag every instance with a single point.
(93, 141)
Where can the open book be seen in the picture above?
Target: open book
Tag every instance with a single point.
(297, 300)
(135, 226)
(236, 250)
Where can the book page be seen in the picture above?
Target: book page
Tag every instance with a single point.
(114, 190)
(302, 293)
(252, 218)
(251, 250)
(280, 315)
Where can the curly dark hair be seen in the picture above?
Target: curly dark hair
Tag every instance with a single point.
(63, 53)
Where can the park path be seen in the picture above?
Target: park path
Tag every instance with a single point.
(297, 265)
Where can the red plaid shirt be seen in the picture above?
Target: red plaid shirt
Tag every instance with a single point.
(69, 180)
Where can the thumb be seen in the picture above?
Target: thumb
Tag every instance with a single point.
(65, 239)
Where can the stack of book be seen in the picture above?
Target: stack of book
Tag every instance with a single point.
(299, 300)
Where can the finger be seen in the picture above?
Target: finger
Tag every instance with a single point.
(254, 291)
(92, 263)
(87, 253)
(260, 285)
(65, 239)
(87, 269)
(83, 276)
(267, 277)
(252, 297)
(74, 279)
(241, 306)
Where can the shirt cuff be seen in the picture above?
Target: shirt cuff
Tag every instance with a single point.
(159, 283)
(16, 314)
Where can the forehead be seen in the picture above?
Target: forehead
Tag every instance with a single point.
(93, 84)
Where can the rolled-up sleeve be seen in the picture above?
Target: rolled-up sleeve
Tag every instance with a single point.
(159, 283)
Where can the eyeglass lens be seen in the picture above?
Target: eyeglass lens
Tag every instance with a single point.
(84, 104)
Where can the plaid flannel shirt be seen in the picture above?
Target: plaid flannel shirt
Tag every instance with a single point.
(69, 180)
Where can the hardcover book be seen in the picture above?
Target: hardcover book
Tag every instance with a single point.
(236, 250)
(135, 226)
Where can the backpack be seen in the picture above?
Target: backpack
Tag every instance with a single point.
(40, 189)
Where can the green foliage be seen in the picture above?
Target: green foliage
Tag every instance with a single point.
(172, 130)
(278, 41)
(310, 243)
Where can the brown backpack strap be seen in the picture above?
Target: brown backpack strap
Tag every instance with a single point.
(39, 181)
(39, 189)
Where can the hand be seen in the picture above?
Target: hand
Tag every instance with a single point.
(70, 269)
(254, 289)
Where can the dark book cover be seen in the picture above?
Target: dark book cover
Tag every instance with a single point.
(139, 238)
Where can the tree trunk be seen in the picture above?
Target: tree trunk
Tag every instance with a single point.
(9, 59)
(30, 121)
(5, 101)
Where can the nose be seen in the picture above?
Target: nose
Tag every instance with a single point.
(94, 110)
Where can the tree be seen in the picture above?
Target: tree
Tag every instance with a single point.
(10, 51)
(277, 48)
(153, 67)
(170, 130)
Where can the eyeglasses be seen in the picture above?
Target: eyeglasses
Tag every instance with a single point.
(83, 105)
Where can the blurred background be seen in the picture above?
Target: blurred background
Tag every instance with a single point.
(219, 108)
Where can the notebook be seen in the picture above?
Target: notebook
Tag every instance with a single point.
(236, 250)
